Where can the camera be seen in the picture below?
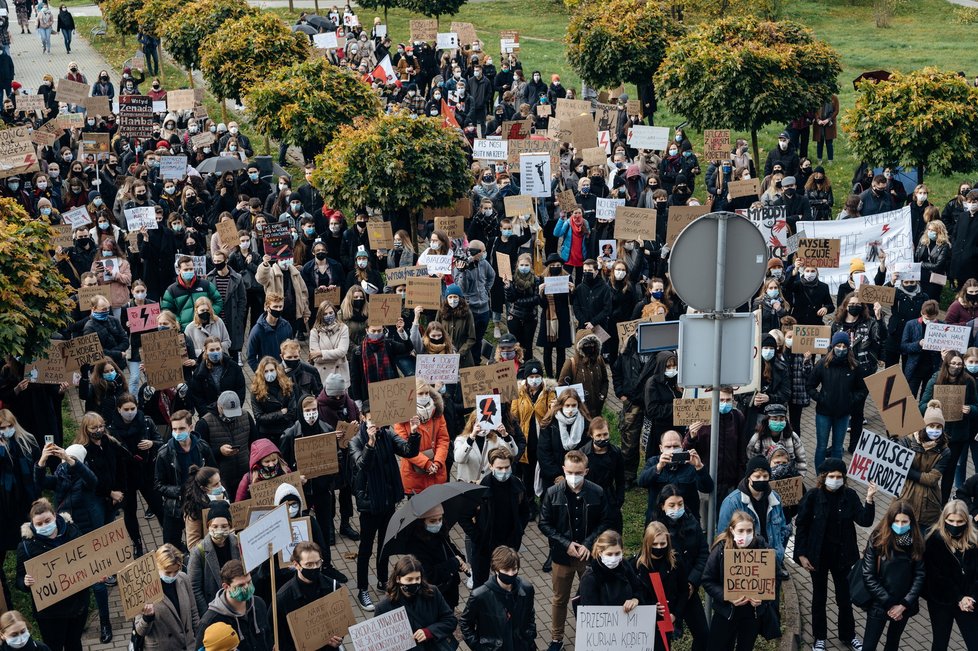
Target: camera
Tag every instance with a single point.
(680, 457)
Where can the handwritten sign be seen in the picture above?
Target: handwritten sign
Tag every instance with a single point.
(71, 92)
(173, 167)
(163, 352)
(882, 461)
(78, 217)
(424, 30)
(400, 275)
(716, 144)
(556, 284)
(263, 492)
(952, 398)
(393, 401)
(139, 584)
(626, 330)
(78, 564)
(329, 295)
(877, 294)
(566, 201)
(943, 336)
(518, 205)
(466, 32)
(748, 573)
(383, 309)
(142, 317)
(438, 264)
(453, 226)
(485, 149)
(312, 626)
(83, 350)
(905, 271)
(438, 368)
(634, 223)
(679, 218)
(315, 456)
(227, 232)
(789, 490)
(137, 218)
(425, 292)
(47, 134)
(379, 235)
(643, 137)
(388, 632)
(50, 369)
(896, 404)
(272, 529)
(686, 411)
(569, 108)
(748, 188)
(31, 103)
(610, 628)
(180, 100)
(594, 156)
(811, 339)
(504, 266)
(818, 252)
(483, 380)
(606, 208)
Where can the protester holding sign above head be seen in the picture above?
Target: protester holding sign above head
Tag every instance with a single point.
(835, 385)
(825, 542)
(932, 460)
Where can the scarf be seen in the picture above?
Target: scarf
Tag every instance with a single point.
(904, 540)
(524, 282)
(553, 326)
(571, 429)
(376, 362)
(424, 413)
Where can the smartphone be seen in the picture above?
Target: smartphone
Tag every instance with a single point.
(48, 439)
(235, 448)
(680, 457)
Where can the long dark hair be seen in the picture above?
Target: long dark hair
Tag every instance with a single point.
(669, 490)
(883, 538)
(843, 309)
(195, 498)
(406, 565)
(945, 377)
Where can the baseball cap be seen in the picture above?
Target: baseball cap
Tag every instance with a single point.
(230, 404)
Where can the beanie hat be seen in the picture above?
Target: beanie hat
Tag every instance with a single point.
(219, 509)
(857, 264)
(819, 170)
(284, 491)
(531, 367)
(687, 146)
(92, 194)
(334, 385)
(840, 338)
(788, 180)
(362, 252)
(453, 289)
(934, 415)
(775, 262)
(767, 341)
(77, 451)
(220, 637)
(832, 465)
(757, 463)
(295, 196)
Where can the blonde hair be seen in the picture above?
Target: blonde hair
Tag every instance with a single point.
(169, 316)
(168, 557)
(10, 619)
(970, 538)
(653, 531)
(726, 536)
(203, 300)
(24, 439)
(608, 539)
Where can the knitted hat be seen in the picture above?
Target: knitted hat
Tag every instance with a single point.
(840, 338)
(453, 289)
(92, 194)
(832, 465)
(775, 262)
(757, 463)
(788, 180)
(934, 415)
(767, 341)
(554, 258)
(219, 509)
(220, 637)
(77, 451)
(775, 449)
(857, 264)
(819, 170)
(362, 252)
(531, 367)
(230, 404)
(334, 385)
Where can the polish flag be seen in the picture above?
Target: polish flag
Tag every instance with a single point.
(385, 71)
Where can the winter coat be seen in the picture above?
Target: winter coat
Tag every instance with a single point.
(894, 580)
(601, 586)
(170, 628)
(206, 389)
(964, 248)
(169, 478)
(920, 363)
(732, 453)
(807, 299)
(551, 450)
(871, 204)
(958, 314)
(555, 519)
(674, 583)
(204, 569)
(787, 159)
(488, 625)
(523, 303)
(865, 340)
(435, 443)
(239, 431)
(265, 339)
(631, 371)
(592, 303)
(684, 476)
(923, 486)
(74, 493)
(268, 411)
(291, 597)
(761, 442)
(957, 431)
(713, 583)
(828, 111)
(472, 460)
(660, 391)
(906, 307)
(934, 259)
(32, 546)
(260, 449)
(180, 299)
(778, 529)
(432, 614)
(563, 230)
(813, 517)
(377, 479)
(118, 287)
(476, 283)
(333, 344)
(253, 627)
(114, 340)
(592, 375)
(20, 489)
(438, 555)
(271, 278)
(949, 575)
(459, 325)
(235, 307)
(689, 541)
(835, 388)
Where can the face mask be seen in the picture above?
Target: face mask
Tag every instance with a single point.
(760, 485)
(777, 425)
(537, 381)
(900, 529)
(293, 510)
(270, 376)
(242, 593)
(767, 354)
(167, 579)
(205, 317)
(789, 192)
(676, 514)
(809, 276)
(268, 472)
(437, 96)
(411, 590)
(934, 433)
(658, 294)
(433, 528)
(972, 368)
(47, 530)
(20, 641)
(362, 264)
(611, 561)
(854, 310)
(110, 376)
(375, 336)
(187, 276)
(840, 351)
(833, 484)
(772, 293)
(253, 177)
(726, 407)
(569, 412)
(743, 541)
(671, 372)
(620, 274)
(956, 530)
(219, 535)
(453, 301)
(45, 211)
(310, 416)
(128, 416)
(574, 481)
(181, 436)
(673, 152)
(506, 579)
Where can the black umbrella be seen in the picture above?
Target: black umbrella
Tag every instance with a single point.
(305, 29)
(221, 164)
(458, 498)
(317, 21)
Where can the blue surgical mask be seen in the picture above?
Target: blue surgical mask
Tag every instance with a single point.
(109, 376)
(100, 316)
(168, 579)
(9, 432)
(187, 275)
(972, 368)
(726, 407)
(678, 513)
(47, 529)
(900, 529)
(931, 235)
(767, 354)
(508, 232)
(180, 437)
(253, 176)
(215, 356)
(433, 528)
(772, 293)
(309, 231)
(502, 475)
(777, 425)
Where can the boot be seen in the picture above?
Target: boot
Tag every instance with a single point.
(137, 547)
(332, 534)
(105, 633)
(348, 531)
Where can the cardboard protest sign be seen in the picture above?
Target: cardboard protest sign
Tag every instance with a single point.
(748, 573)
(686, 411)
(517, 129)
(313, 625)
(767, 213)
(952, 398)
(877, 294)
(566, 201)
(31, 103)
(71, 92)
(180, 100)
(388, 632)
(818, 252)
(424, 30)
(272, 529)
(679, 218)
(425, 292)
(634, 223)
(47, 134)
(594, 156)
(494, 150)
(570, 108)
(278, 240)
(173, 167)
(453, 226)
(462, 207)
(202, 139)
(227, 232)
(626, 329)
(605, 208)
(789, 490)
(52, 368)
(70, 120)
(135, 116)
(83, 350)
(811, 339)
(349, 430)
(749, 188)
(880, 460)
(400, 275)
(438, 368)
(716, 144)
(643, 137)
(484, 380)
(315, 456)
(239, 513)
(943, 336)
(137, 218)
(380, 235)
(78, 564)
(62, 236)
(86, 294)
(556, 284)
(139, 584)
(329, 295)
(544, 110)
(504, 266)
(95, 143)
(263, 492)
(301, 531)
(17, 152)
(383, 309)
(896, 404)
(579, 131)
(393, 401)
(607, 628)
(163, 352)
(79, 217)
(466, 32)
(519, 147)
(517, 205)
(488, 412)
(142, 317)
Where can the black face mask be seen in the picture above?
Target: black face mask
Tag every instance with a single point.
(657, 552)
(956, 530)
(555, 271)
(220, 266)
(358, 303)
(275, 313)
(311, 575)
(205, 317)
(761, 486)
(602, 443)
(321, 255)
(855, 310)
(507, 579)
(411, 590)
(291, 364)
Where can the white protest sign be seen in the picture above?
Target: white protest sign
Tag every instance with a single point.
(556, 284)
(485, 149)
(388, 632)
(271, 528)
(446, 41)
(325, 41)
(535, 175)
(159, 106)
(880, 460)
(864, 238)
(642, 137)
(380, 31)
(438, 264)
(942, 336)
(173, 167)
(906, 270)
(488, 411)
(136, 218)
(610, 628)
(605, 208)
(79, 217)
(579, 388)
(438, 368)
(508, 45)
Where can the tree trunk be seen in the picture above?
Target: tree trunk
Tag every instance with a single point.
(190, 76)
(316, 2)
(753, 144)
(224, 112)
(291, 7)
(268, 146)
(920, 173)
(385, 14)
(413, 220)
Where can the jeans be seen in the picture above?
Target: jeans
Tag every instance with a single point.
(942, 620)
(45, 34)
(828, 147)
(838, 426)
(563, 580)
(876, 620)
(371, 525)
(959, 452)
(962, 472)
(66, 33)
(134, 377)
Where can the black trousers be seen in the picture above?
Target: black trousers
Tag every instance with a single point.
(876, 621)
(820, 581)
(694, 618)
(141, 481)
(63, 634)
(173, 532)
(737, 633)
(372, 525)
(942, 618)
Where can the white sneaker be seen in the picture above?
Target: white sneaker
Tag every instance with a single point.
(496, 334)
(856, 644)
(819, 645)
(468, 583)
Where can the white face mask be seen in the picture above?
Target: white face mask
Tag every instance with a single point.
(423, 400)
(452, 301)
(809, 276)
(743, 541)
(570, 412)
(20, 641)
(293, 510)
(620, 274)
(574, 480)
(534, 381)
(787, 342)
(270, 376)
(671, 372)
(310, 416)
(833, 484)
(611, 561)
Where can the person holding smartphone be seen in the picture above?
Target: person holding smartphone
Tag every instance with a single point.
(682, 468)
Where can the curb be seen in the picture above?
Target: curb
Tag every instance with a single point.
(791, 622)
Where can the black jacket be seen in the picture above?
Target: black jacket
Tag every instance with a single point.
(788, 159)
(807, 299)
(949, 576)
(33, 546)
(495, 619)
(660, 391)
(206, 391)
(550, 451)
(713, 582)
(114, 340)
(516, 505)
(601, 586)
(291, 597)
(689, 541)
(169, 481)
(438, 556)
(674, 583)
(430, 613)
(592, 303)
(377, 477)
(268, 412)
(835, 387)
(631, 371)
(555, 519)
(898, 580)
(866, 338)
(813, 517)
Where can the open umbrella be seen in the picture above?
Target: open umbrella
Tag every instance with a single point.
(317, 21)
(305, 29)
(458, 498)
(220, 164)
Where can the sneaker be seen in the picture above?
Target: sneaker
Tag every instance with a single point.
(150, 515)
(105, 634)
(495, 333)
(556, 645)
(819, 645)
(382, 587)
(335, 574)
(856, 644)
(468, 583)
(363, 597)
(111, 581)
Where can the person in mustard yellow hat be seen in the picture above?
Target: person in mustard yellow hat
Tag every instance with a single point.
(220, 637)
